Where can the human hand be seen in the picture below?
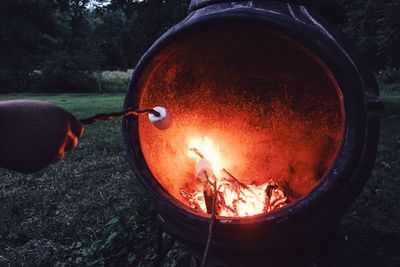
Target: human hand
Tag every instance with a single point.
(34, 134)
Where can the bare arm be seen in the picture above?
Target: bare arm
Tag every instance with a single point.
(34, 134)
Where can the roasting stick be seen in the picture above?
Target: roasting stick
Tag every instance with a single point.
(197, 152)
(158, 116)
(212, 222)
(213, 208)
(235, 179)
(115, 115)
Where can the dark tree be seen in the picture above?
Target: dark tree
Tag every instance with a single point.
(28, 33)
(62, 45)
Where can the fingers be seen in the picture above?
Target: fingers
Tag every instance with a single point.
(75, 130)
(71, 142)
(59, 156)
(76, 126)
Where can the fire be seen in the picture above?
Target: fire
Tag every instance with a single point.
(207, 148)
(234, 199)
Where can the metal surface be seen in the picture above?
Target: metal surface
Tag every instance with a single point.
(306, 226)
(197, 4)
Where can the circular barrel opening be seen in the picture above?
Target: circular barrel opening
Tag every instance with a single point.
(256, 101)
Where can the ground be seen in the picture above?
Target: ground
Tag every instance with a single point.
(89, 209)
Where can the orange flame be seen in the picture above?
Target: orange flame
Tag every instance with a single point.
(234, 197)
(209, 151)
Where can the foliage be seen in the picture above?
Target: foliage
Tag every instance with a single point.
(61, 45)
(388, 34)
(375, 27)
(125, 241)
(114, 81)
(389, 78)
(28, 31)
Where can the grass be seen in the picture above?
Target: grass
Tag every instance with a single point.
(88, 209)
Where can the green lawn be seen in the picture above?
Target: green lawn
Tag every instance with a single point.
(59, 216)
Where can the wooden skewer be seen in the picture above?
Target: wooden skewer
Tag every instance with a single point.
(115, 115)
(212, 222)
(235, 179)
(197, 152)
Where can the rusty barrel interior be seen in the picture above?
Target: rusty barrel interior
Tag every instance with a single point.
(271, 105)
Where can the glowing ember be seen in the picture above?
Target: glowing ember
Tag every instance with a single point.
(233, 197)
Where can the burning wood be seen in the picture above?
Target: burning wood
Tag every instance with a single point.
(234, 198)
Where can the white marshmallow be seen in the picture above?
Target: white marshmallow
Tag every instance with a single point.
(202, 167)
(164, 121)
